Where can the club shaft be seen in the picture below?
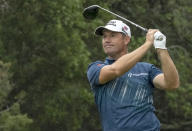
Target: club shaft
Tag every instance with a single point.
(142, 28)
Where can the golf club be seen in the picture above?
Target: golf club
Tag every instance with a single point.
(91, 12)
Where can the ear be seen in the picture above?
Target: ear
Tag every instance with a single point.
(127, 40)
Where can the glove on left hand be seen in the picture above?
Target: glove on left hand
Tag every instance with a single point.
(160, 40)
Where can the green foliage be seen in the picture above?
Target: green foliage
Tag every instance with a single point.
(61, 111)
(11, 119)
(5, 86)
(46, 48)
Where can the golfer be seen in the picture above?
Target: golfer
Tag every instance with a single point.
(123, 86)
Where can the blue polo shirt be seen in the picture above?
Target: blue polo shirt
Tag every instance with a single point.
(125, 103)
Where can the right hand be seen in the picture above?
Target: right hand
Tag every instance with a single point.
(150, 36)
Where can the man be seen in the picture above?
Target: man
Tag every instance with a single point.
(123, 86)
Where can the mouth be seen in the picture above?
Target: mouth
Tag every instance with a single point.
(108, 45)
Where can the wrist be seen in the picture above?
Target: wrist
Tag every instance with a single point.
(161, 51)
(148, 43)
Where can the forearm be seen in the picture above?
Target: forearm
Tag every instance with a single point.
(126, 62)
(171, 76)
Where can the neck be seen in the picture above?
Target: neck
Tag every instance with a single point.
(117, 56)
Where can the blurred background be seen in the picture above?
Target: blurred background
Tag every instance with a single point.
(45, 49)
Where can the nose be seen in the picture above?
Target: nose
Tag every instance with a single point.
(106, 39)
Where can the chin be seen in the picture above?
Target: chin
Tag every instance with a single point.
(111, 54)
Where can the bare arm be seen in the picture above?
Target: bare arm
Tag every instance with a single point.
(126, 62)
(170, 78)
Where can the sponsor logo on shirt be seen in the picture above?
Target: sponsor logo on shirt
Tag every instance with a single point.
(139, 74)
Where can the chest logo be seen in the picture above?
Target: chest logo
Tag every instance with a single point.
(137, 75)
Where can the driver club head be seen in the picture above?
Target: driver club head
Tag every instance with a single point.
(91, 12)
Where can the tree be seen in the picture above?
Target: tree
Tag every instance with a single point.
(46, 48)
(11, 118)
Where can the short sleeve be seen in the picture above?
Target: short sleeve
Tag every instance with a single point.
(93, 72)
(154, 71)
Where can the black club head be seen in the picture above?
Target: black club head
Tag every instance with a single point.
(91, 12)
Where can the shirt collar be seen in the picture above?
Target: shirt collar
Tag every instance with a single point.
(109, 60)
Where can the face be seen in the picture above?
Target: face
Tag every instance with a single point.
(114, 43)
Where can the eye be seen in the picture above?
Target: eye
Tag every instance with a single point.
(112, 35)
(104, 36)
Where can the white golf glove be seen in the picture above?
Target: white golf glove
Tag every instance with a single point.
(160, 40)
